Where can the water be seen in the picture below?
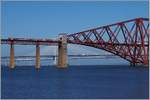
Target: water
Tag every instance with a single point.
(85, 82)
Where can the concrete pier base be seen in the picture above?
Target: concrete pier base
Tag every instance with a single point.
(37, 65)
(12, 62)
(62, 52)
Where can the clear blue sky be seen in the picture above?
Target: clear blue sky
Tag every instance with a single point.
(48, 19)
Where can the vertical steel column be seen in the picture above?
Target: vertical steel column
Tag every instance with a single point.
(37, 66)
(62, 52)
(12, 62)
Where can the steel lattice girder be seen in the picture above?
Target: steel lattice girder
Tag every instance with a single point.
(127, 39)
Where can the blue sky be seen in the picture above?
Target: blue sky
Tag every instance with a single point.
(48, 19)
(41, 19)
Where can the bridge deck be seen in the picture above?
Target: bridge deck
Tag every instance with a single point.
(22, 41)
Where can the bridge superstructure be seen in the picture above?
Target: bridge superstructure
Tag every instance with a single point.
(23, 41)
(127, 39)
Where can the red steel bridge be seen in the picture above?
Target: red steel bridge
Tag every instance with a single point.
(127, 39)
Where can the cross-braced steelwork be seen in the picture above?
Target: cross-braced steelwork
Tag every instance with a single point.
(128, 39)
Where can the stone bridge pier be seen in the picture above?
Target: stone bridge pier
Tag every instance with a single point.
(62, 51)
(12, 61)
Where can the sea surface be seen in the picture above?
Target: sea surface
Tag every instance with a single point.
(75, 82)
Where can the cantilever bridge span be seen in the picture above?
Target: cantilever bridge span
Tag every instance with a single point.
(127, 39)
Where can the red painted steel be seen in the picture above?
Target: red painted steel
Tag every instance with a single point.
(127, 39)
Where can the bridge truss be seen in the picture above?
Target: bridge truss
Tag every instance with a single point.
(127, 39)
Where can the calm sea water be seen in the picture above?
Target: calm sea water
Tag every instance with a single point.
(88, 82)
